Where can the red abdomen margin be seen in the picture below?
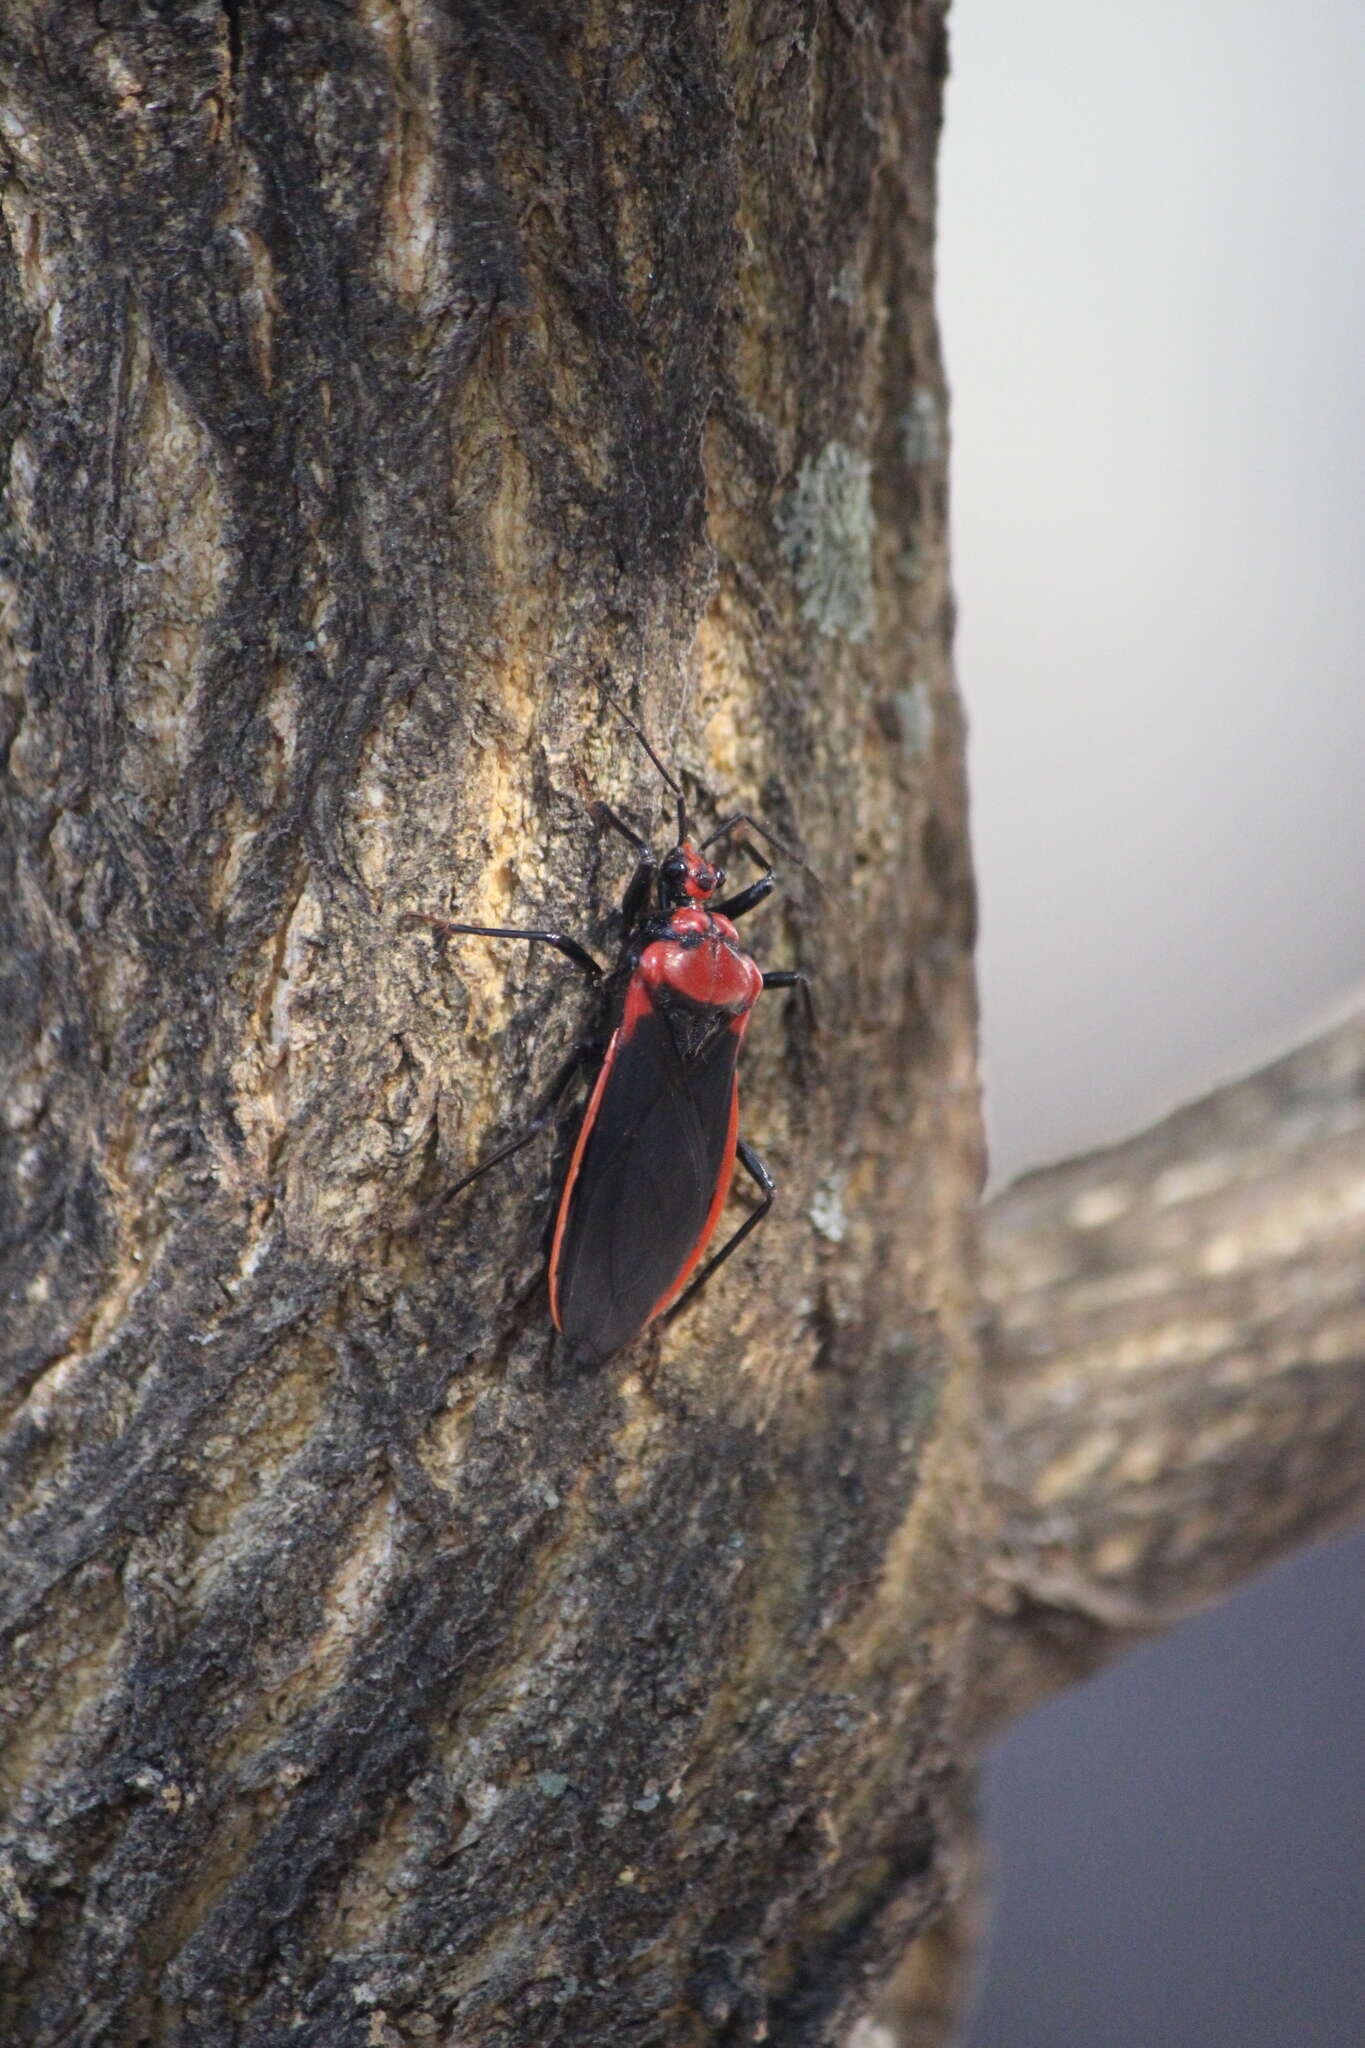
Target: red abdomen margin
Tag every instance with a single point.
(656, 1152)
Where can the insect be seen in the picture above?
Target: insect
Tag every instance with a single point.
(659, 1137)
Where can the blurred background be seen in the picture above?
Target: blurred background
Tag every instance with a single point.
(1153, 299)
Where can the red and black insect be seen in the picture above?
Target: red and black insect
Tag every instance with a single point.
(656, 1148)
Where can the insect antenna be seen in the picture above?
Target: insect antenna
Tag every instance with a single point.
(764, 832)
(671, 780)
(739, 817)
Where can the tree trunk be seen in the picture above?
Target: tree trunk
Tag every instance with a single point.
(380, 384)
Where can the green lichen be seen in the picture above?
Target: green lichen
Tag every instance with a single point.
(922, 429)
(916, 708)
(847, 286)
(827, 1209)
(825, 526)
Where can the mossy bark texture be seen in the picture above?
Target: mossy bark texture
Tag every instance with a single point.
(381, 382)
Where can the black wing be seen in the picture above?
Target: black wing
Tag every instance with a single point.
(660, 1142)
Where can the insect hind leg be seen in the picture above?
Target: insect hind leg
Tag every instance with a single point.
(581, 1057)
(767, 1187)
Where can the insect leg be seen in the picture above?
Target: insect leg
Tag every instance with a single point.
(787, 977)
(758, 1173)
(570, 948)
(743, 818)
(578, 1058)
(748, 899)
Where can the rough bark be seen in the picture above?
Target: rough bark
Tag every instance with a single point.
(378, 379)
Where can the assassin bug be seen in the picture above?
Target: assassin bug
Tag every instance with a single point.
(656, 1148)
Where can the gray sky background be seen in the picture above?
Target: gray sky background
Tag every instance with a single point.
(1152, 267)
(1152, 287)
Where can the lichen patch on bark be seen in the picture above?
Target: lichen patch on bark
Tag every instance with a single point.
(825, 528)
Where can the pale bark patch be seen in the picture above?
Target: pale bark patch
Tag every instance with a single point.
(174, 511)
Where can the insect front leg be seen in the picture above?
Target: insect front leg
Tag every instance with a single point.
(748, 899)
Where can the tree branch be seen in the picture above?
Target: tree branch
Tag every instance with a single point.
(1175, 1386)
